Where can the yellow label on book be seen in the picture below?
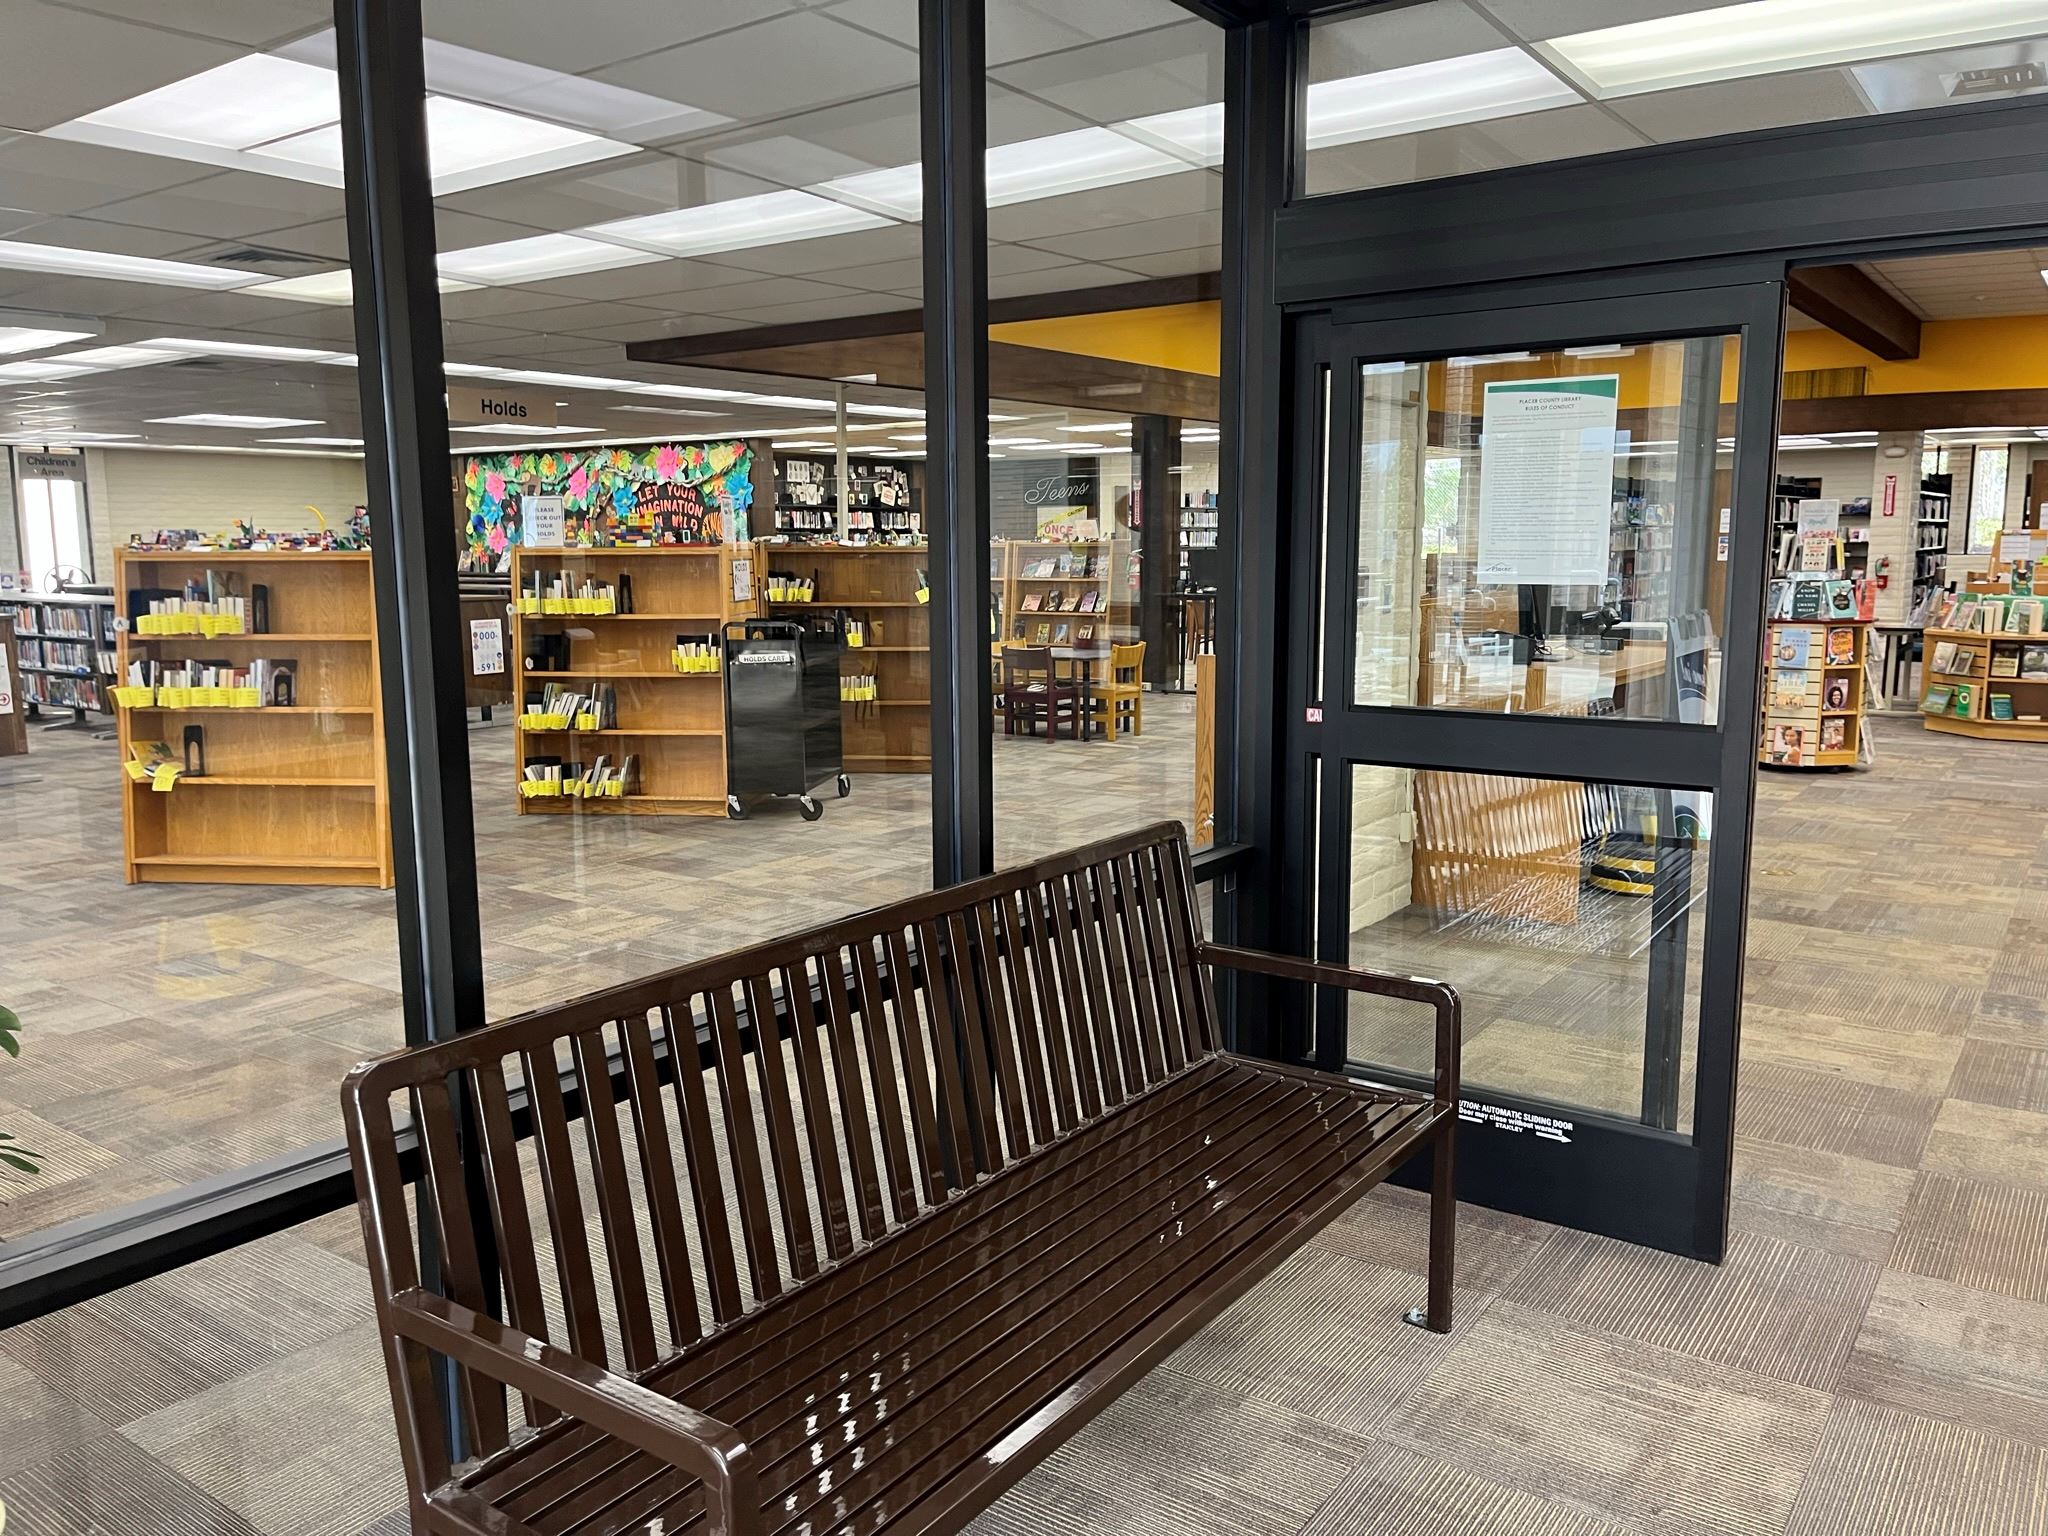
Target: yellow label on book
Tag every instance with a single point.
(165, 779)
(174, 698)
(135, 770)
(246, 698)
(586, 721)
(616, 789)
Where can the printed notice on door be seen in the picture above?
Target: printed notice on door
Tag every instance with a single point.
(1546, 480)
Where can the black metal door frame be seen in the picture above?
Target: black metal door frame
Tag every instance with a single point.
(1634, 1181)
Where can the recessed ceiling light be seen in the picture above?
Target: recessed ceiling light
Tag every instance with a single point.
(224, 419)
(665, 410)
(1093, 426)
(1771, 36)
(900, 412)
(101, 359)
(24, 256)
(23, 330)
(281, 117)
(193, 347)
(468, 146)
(316, 442)
(738, 224)
(1439, 94)
(43, 371)
(808, 442)
(537, 257)
(336, 287)
(906, 437)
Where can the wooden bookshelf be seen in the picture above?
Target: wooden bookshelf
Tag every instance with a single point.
(1972, 666)
(1823, 726)
(877, 585)
(1112, 620)
(291, 796)
(673, 721)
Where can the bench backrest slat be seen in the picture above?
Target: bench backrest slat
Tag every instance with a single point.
(821, 1091)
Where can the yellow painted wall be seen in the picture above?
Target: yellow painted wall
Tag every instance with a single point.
(2010, 352)
(1187, 337)
(2006, 353)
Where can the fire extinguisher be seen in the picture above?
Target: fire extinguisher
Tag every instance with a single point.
(1884, 572)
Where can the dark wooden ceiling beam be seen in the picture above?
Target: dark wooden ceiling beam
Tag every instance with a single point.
(1142, 293)
(1849, 302)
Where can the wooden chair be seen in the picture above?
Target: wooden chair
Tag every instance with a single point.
(1033, 690)
(862, 1223)
(1123, 696)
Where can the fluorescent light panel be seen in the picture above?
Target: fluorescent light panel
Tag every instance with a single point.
(25, 256)
(223, 419)
(738, 224)
(23, 331)
(1766, 37)
(281, 117)
(538, 257)
(1439, 94)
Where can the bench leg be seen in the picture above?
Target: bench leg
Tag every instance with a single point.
(1443, 1232)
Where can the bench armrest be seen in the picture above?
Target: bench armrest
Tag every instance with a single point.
(1414, 989)
(683, 1438)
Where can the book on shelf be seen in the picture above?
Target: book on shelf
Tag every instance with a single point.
(1059, 634)
(1834, 734)
(1788, 744)
(1792, 647)
(2001, 706)
(1937, 699)
(1042, 635)
(1841, 647)
(1962, 701)
(2034, 663)
(1031, 602)
(2023, 616)
(1944, 657)
(1788, 689)
(1836, 694)
(2005, 661)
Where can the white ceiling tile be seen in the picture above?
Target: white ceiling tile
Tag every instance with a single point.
(883, 276)
(254, 23)
(820, 309)
(233, 204)
(1395, 39)
(1524, 140)
(650, 183)
(1739, 106)
(658, 326)
(1536, 20)
(51, 177)
(1020, 29)
(798, 258)
(738, 298)
(1201, 258)
(784, 65)
(651, 283)
(95, 235)
(58, 63)
(1153, 235)
(1189, 192)
(1080, 274)
(1158, 71)
(580, 39)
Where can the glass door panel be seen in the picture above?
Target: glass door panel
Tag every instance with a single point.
(1541, 532)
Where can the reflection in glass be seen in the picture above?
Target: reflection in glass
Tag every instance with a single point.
(1569, 917)
(1543, 533)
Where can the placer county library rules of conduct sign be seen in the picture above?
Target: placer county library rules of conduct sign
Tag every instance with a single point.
(1546, 480)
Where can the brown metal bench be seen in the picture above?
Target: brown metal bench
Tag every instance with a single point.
(886, 1210)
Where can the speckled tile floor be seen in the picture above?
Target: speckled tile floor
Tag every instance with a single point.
(1869, 1362)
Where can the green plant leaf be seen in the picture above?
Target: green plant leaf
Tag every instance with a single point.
(24, 1162)
(10, 1026)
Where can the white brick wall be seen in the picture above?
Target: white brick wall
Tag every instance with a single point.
(1382, 842)
(10, 527)
(133, 490)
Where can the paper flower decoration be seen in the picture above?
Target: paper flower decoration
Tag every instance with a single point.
(494, 485)
(624, 499)
(498, 539)
(667, 462)
(548, 469)
(579, 485)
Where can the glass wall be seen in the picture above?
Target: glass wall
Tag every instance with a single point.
(1451, 87)
(199, 931)
(1105, 201)
(708, 720)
